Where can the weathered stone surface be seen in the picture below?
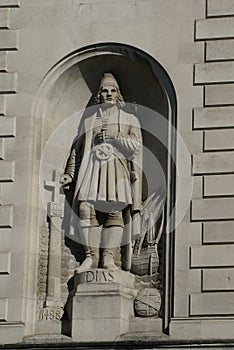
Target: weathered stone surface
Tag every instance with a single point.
(8, 82)
(5, 260)
(2, 105)
(95, 291)
(218, 280)
(8, 40)
(6, 216)
(9, 3)
(214, 72)
(3, 309)
(212, 209)
(219, 185)
(4, 18)
(214, 28)
(212, 256)
(213, 163)
(214, 117)
(219, 94)
(3, 61)
(220, 50)
(218, 232)
(1, 149)
(220, 8)
(7, 171)
(219, 140)
(212, 304)
(7, 126)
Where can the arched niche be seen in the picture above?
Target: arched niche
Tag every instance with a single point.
(70, 87)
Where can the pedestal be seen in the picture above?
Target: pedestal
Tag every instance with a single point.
(102, 305)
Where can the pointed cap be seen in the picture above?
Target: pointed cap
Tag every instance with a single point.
(108, 80)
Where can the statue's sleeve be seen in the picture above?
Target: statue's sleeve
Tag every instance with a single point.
(75, 157)
(131, 141)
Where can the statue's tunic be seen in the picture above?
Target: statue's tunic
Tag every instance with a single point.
(107, 177)
(108, 172)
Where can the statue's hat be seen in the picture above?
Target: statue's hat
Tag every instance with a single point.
(109, 80)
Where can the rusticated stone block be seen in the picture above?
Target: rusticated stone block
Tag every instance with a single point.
(220, 50)
(3, 61)
(8, 40)
(9, 3)
(214, 72)
(1, 149)
(6, 216)
(7, 126)
(213, 117)
(5, 261)
(219, 140)
(214, 28)
(220, 8)
(3, 309)
(211, 163)
(218, 232)
(8, 82)
(219, 94)
(212, 304)
(7, 171)
(219, 185)
(4, 18)
(217, 280)
(212, 256)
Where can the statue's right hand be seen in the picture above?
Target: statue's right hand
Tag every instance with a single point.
(65, 180)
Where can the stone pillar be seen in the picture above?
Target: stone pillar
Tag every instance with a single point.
(51, 314)
(102, 305)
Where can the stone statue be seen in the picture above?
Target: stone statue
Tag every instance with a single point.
(105, 165)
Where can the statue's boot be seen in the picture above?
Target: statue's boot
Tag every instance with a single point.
(91, 235)
(111, 239)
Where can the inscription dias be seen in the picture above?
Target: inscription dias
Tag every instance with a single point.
(99, 276)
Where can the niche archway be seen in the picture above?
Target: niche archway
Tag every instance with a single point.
(70, 86)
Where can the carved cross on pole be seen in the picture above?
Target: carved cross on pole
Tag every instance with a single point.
(55, 207)
(55, 185)
(55, 212)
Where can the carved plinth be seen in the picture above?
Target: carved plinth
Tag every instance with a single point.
(102, 305)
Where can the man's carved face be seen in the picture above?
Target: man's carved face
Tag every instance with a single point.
(109, 94)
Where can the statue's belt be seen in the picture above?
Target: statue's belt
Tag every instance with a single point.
(103, 151)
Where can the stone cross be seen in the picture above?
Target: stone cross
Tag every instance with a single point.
(55, 207)
(55, 185)
(53, 309)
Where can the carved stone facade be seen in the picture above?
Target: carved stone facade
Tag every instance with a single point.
(174, 58)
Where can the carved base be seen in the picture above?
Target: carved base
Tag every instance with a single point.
(102, 305)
